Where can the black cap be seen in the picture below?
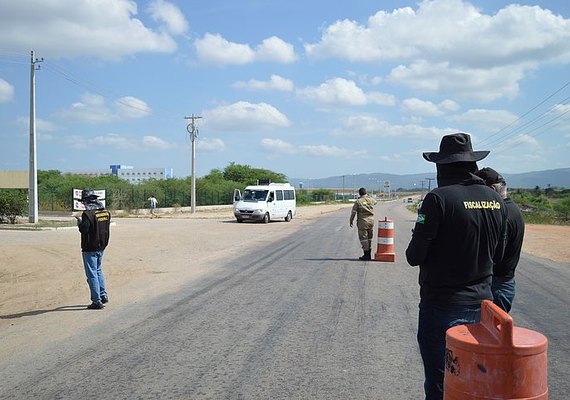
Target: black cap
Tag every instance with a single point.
(490, 176)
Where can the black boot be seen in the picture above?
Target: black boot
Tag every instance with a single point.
(366, 256)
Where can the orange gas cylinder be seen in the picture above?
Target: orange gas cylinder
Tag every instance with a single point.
(494, 360)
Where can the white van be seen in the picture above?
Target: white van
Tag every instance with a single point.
(265, 202)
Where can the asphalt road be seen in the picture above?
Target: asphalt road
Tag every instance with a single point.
(300, 319)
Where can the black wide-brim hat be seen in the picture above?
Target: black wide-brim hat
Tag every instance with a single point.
(88, 194)
(455, 148)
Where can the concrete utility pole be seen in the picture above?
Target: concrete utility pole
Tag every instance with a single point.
(193, 131)
(429, 183)
(32, 168)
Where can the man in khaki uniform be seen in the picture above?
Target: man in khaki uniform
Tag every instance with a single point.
(363, 210)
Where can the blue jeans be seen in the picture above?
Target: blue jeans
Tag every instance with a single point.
(95, 278)
(433, 322)
(503, 293)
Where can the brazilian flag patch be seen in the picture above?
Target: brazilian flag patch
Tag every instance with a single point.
(421, 219)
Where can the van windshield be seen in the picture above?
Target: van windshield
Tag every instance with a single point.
(254, 195)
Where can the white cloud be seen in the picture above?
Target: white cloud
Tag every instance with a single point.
(479, 84)
(371, 126)
(42, 126)
(153, 142)
(278, 146)
(131, 107)
(6, 91)
(275, 49)
(323, 150)
(120, 142)
(93, 109)
(343, 91)
(452, 47)
(490, 120)
(416, 106)
(215, 49)
(170, 15)
(451, 30)
(113, 140)
(562, 110)
(211, 145)
(106, 29)
(276, 82)
(243, 116)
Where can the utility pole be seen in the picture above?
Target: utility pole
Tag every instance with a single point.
(32, 168)
(193, 131)
(429, 183)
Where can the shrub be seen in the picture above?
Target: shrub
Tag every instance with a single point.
(13, 204)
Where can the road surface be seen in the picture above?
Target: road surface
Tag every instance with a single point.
(298, 319)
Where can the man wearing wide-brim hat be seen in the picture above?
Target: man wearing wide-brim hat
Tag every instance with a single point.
(94, 225)
(458, 235)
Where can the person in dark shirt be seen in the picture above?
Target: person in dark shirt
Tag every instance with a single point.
(503, 286)
(94, 225)
(458, 232)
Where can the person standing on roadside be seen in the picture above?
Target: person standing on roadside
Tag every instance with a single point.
(363, 210)
(504, 286)
(94, 225)
(458, 233)
(153, 204)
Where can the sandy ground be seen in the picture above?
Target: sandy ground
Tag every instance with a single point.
(43, 269)
(41, 272)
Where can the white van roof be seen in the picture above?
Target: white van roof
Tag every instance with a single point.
(271, 186)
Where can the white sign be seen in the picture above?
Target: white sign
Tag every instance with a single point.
(79, 206)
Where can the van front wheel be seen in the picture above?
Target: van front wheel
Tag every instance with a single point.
(266, 218)
(288, 217)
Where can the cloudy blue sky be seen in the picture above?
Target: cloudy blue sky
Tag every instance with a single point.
(311, 89)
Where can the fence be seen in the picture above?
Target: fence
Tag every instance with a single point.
(50, 200)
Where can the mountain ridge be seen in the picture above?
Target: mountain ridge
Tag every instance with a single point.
(376, 181)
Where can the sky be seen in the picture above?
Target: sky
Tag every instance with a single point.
(310, 89)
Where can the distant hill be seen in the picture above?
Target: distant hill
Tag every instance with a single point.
(375, 181)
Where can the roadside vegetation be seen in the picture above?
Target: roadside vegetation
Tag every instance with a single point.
(541, 206)
(549, 206)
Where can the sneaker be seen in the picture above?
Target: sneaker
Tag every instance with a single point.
(95, 306)
(104, 299)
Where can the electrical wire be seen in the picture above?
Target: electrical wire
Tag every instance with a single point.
(504, 139)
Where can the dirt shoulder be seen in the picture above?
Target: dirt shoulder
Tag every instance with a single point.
(43, 292)
(548, 241)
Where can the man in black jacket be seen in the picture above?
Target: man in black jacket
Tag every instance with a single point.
(94, 225)
(458, 232)
(504, 285)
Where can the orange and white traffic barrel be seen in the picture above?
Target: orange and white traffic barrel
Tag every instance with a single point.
(494, 359)
(385, 249)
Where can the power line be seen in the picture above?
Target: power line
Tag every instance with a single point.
(526, 113)
(528, 125)
(505, 133)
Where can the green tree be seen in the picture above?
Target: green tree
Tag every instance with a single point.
(249, 175)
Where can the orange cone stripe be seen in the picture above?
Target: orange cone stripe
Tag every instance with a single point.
(385, 250)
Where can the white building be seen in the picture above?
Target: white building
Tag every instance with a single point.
(137, 175)
(131, 174)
